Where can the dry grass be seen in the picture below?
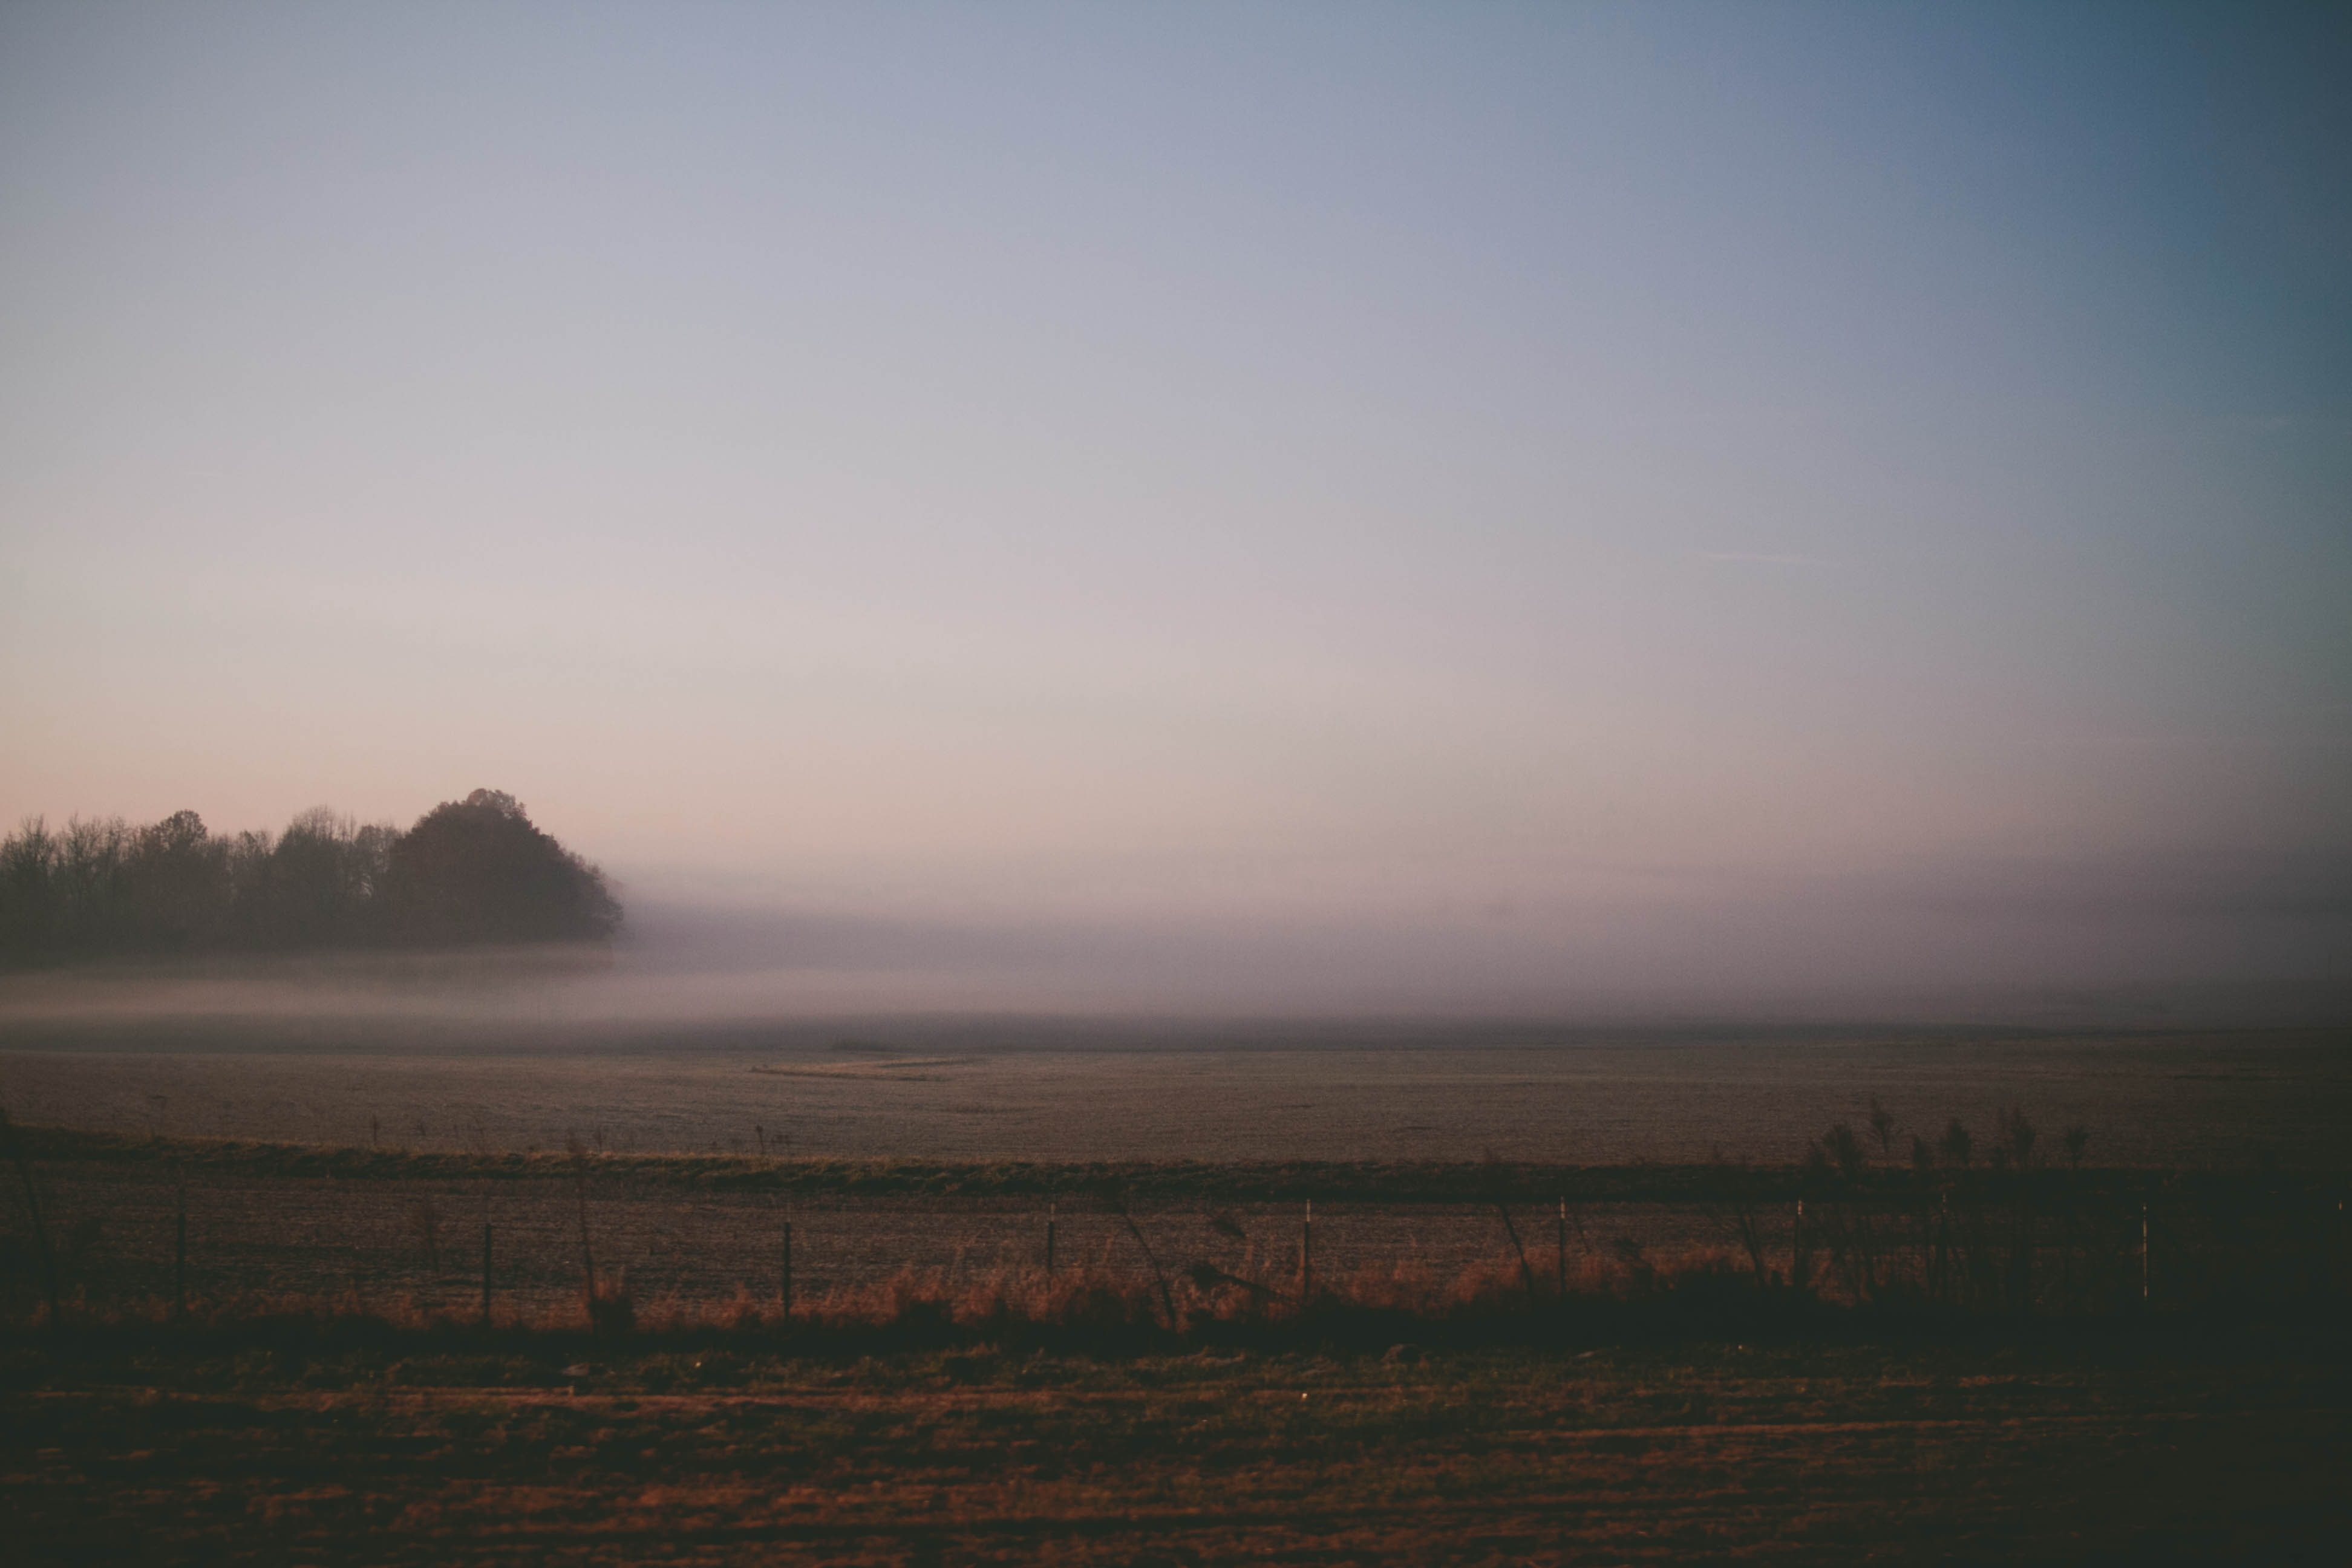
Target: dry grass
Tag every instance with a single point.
(1662, 1381)
(951, 1251)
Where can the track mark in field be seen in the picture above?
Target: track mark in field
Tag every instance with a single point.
(892, 1069)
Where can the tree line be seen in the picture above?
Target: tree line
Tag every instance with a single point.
(469, 872)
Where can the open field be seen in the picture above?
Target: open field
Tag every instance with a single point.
(946, 1153)
(942, 1091)
(1967, 1372)
(2155, 1449)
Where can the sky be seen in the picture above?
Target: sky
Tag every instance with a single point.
(1469, 508)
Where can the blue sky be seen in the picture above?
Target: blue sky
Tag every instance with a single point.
(1426, 471)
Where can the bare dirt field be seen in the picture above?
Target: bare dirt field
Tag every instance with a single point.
(2150, 1451)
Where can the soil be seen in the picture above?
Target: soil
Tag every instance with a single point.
(2154, 1450)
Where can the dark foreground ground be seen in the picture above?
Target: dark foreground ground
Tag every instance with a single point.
(2058, 1364)
(2161, 1446)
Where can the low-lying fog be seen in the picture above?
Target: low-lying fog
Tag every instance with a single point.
(2195, 942)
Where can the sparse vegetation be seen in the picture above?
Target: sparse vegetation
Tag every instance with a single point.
(1839, 1240)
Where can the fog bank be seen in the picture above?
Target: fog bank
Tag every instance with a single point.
(2210, 940)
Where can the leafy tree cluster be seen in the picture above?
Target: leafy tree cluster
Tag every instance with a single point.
(469, 872)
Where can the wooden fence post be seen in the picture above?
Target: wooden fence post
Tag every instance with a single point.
(1562, 1263)
(1307, 1255)
(46, 1253)
(180, 1255)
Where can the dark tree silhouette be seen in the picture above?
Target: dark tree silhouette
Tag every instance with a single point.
(470, 871)
(178, 885)
(477, 871)
(28, 898)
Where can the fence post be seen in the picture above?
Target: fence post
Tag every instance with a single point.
(486, 1274)
(179, 1256)
(785, 1297)
(33, 1210)
(1049, 1244)
(1939, 1268)
(1562, 1269)
(1307, 1255)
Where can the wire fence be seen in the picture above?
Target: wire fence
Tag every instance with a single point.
(116, 1239)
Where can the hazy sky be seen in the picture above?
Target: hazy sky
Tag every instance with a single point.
(1501, 479)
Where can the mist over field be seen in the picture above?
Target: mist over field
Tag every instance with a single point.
(2180, 940)
(981, 781)
(992, 782)
(1790, 513)
(2199, 936)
